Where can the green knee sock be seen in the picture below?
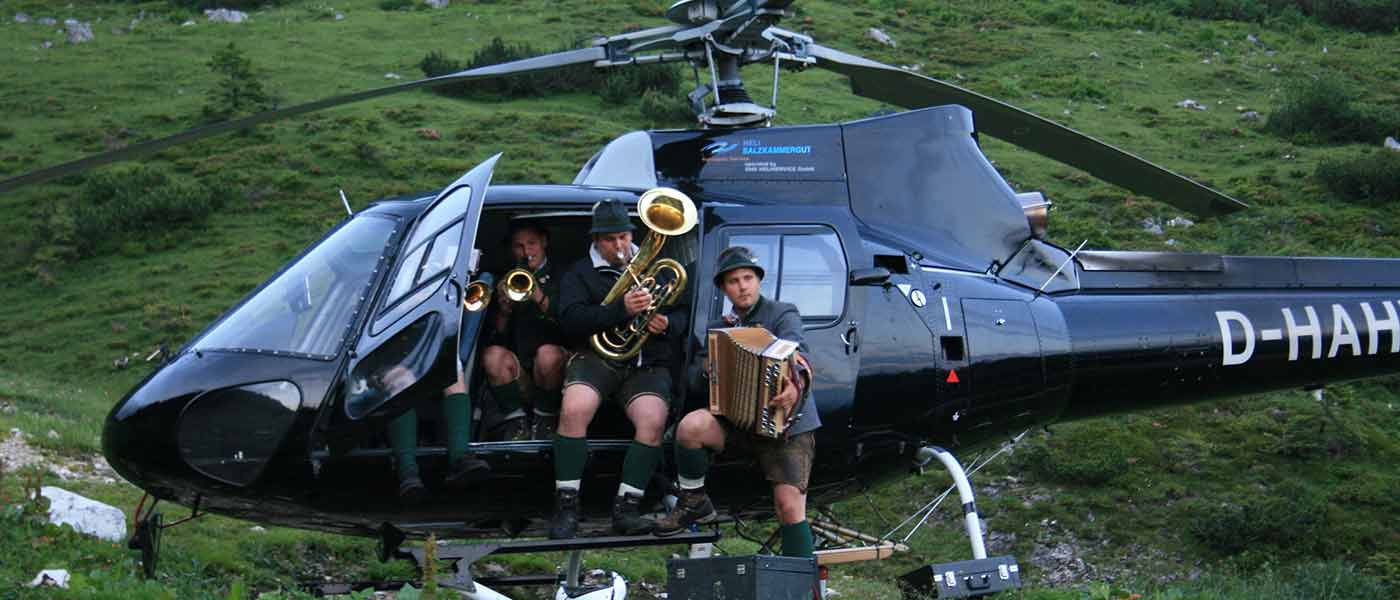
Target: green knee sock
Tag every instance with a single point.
(692, 464)
(570, 455)
(403, 436)
(507, 396)
(638, 466)
(457, 410)
(797, 539)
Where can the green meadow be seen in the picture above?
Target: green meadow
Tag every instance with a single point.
(1270, 496)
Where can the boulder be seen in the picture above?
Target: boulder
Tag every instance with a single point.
(1392, 143)
(77, 31)
(51, 577)
(437, 3)
(85, 515)
(880, 36)
(224, 15)
(21, 18)
(1192, 104)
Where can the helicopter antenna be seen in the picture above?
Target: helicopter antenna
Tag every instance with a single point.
(1061, 267)
(346, 202)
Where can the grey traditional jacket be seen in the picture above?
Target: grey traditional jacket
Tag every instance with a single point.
(782, 320)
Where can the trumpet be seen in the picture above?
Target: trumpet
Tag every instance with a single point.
(476, 297)
(520, 283)
(666, 213)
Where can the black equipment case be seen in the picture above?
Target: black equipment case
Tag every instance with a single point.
(741, 578)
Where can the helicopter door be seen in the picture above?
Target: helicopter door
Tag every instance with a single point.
(408, 348)
(806, 264)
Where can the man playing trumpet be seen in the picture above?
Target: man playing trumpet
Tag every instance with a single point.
(641, 384)
(787, 461)
(524, 356)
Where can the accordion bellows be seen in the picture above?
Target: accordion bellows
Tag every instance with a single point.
(747, 367)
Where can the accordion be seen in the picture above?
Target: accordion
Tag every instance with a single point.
(747, 366)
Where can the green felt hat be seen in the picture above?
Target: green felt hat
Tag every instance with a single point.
(737, 257)
(610, 216)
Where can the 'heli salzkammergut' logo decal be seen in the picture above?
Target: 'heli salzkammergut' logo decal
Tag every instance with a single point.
(1305, 325)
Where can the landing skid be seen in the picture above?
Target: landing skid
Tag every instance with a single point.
(978, 577)
(461, 557)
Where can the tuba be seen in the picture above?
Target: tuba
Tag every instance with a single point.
(665, 212)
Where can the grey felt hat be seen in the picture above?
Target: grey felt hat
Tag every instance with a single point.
(610, 216)
(737, 257)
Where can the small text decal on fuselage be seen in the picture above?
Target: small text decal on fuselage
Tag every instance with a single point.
(1303, 327)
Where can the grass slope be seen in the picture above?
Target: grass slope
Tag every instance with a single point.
(1254, 495)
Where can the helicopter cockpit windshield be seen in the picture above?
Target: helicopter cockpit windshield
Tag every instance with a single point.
(309, 308)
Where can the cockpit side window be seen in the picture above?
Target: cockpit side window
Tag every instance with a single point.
(804, 266)
(309, 308)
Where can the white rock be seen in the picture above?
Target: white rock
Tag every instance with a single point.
(257, 529)
(880, 36)
(340, 16)
(51, 577)
(1094, 54)
(53, 435)
(21, 18)
(224, 15)
(1180, 222)
(437, 3)
(1150, 226)
(85, 515)
(1189, 103)
(187, 24)
(1250, 116)
(77, 31)
(1392, 143)
(393, 76)
(1252, 39)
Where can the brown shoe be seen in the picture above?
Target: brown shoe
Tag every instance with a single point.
(692, 507)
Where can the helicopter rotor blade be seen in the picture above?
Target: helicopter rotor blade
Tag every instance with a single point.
(545, 62)
(883, 82)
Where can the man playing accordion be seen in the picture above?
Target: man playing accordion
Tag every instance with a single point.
(787, 460)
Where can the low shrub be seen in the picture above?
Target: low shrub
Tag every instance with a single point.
(1371, 177)
(1324, 108)
(616, 86)
(1084, 454)
(121, 201)
(1360, 15)
(1289, 516)
(663, 110)
(395, 4)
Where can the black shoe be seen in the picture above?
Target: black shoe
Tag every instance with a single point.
(514, 429)
(466, 471)
(627, 518)
(411, 490)
(564, 526)
(544, 426)
(693, 506)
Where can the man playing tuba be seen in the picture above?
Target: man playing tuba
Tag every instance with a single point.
(640, 383)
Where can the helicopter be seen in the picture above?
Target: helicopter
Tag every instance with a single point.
(935, 310)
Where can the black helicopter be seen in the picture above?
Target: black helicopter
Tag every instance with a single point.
(936, 312)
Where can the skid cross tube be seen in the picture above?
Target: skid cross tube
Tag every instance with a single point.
(464, 555)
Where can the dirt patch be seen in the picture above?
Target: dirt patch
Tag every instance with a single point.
(17, 454)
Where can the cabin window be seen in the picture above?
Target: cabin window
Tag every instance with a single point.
(310, 306)
(806, 267)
